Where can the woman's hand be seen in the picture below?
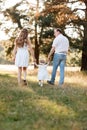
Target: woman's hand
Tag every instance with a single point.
(14, 59)
(34, 60)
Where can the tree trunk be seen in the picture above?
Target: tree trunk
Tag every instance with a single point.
(84, 49)
(36, 35)
(36, 44)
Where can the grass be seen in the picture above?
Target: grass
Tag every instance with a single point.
(46, 108)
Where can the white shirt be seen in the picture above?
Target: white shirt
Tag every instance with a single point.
(61, 44)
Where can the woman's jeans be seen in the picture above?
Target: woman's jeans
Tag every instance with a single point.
(58, 60)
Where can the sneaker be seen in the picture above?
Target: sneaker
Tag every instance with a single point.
(49, 82)
(41, 84)
(24, 82)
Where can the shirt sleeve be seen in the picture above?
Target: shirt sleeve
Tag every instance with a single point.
(55, 42)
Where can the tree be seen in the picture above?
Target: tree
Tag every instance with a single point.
(66, 15)
(36, 35)
(84, 49)
(56, 13)
(82, 21)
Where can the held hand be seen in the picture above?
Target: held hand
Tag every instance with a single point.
(48, 58)
(14, 59)
(34, 60)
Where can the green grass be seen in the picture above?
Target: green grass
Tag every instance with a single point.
(46, 108)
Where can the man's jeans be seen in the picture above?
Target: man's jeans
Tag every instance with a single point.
(58, 60)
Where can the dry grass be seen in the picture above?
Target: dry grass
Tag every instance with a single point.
(46, 108)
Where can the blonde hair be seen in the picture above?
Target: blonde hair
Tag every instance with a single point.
(22, 38)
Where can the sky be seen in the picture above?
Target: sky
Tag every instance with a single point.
(8, 4)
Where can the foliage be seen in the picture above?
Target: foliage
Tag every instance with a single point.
(55, 13)
(74, 58)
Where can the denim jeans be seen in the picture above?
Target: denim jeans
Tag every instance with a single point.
(58, 60)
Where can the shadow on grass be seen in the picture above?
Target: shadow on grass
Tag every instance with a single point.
(72, 99)
(36, 108)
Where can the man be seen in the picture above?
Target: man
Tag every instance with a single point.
(59, 48)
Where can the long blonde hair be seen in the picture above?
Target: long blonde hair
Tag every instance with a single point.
(22, 38)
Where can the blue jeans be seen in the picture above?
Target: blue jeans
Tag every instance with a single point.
(58, 60)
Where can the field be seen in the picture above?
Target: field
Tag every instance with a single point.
(43, 108)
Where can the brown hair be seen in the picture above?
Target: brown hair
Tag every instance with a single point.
(58, 29)
(22, 38)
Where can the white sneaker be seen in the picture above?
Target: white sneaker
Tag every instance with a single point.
(41, 84)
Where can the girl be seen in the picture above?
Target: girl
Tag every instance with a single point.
(21, 54)
(42, 72)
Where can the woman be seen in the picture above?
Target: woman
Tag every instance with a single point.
(21, 54)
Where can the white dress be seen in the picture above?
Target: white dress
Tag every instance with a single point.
(42, 72)
(22, 56)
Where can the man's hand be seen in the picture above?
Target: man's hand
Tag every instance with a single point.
(51, 52)
(49, 58)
